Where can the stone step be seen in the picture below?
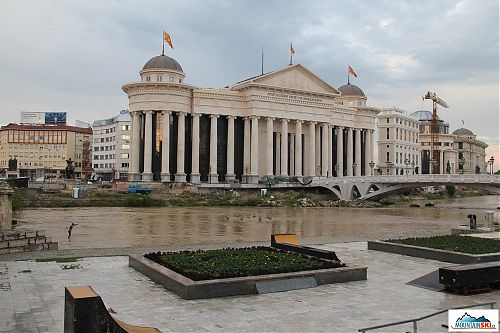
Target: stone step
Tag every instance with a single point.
(12, 241)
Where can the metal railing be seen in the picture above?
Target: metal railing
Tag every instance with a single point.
(415, 320)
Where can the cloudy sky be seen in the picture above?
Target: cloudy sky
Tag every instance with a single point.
(74, 56)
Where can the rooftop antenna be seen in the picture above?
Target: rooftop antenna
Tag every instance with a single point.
(262, 62)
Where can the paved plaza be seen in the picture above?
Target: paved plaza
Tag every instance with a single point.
(32, 298)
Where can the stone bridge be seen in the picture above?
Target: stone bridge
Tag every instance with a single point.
(376, 187)
(370, 187)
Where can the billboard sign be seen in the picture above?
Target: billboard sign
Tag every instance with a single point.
(55, 118)
(36, 118)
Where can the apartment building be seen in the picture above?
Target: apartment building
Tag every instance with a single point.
(111, 147)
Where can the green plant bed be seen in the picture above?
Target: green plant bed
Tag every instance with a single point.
(455, 243)
(230, 263)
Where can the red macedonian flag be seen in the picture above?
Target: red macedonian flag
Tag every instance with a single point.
(351, 71)
(292, 50)
(167, 39)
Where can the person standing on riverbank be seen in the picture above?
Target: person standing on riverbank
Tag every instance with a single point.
(71, 229)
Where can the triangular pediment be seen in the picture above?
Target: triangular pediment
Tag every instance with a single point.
(295, 77)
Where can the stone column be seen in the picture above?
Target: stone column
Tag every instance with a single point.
(312, 149)
(358, 153)
(147, 174)
(269, 146)
(278, 153)
(324, 150)
(317, 150)
(340, 152)
(330, 151)
(284, 147)
(291, 159)
(349, 152)
(254, 162)
(180, 176)
(134, 174)
(298, 148)
(230, 149)
(195, 151)
(246, 150)
(368, 152)
(442, 168)
(214, 178)
(165, 148)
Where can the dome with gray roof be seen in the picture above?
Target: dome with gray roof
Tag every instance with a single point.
(422, 115)
(163, 62)
(463, 131)
(351, 90)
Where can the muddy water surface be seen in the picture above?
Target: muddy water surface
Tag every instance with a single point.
(121, 227)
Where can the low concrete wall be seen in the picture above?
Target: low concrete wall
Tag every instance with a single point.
(434, 254)
(189, 289)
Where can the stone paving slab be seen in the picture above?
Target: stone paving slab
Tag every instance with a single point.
(35, 300)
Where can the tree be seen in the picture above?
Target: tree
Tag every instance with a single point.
(450, 189)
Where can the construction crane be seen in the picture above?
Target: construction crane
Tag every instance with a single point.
(434, 154)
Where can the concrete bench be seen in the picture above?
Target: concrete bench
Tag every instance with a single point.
(85, 312)
(290, 242)
(470, 277)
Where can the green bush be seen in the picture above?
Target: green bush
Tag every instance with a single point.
(451, 190)
(456, 243)
(141, 200)
(227, 263)
(17, 203)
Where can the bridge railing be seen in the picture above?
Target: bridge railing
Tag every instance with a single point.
(447, 178)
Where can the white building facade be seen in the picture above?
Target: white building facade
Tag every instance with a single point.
(284, 123)
(111, 147)
(471, 156)
(398, 145)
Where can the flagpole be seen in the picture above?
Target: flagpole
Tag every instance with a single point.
(163, 48)
(348, 74)
(291, 55)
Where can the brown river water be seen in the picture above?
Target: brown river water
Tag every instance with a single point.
(123, 227)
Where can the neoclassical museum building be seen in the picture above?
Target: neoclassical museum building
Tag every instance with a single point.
(287, 123)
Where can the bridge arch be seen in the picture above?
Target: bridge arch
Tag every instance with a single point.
(354, 193)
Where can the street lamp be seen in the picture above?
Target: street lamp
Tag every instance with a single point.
(371, 164)
(492, 160)
(389, 166)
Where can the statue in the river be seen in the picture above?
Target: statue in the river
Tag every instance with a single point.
(70, 169)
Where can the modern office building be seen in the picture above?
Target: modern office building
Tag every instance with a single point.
(398, 146)
(471, 152)
(287, 122)
(111, 147)
(43, 150)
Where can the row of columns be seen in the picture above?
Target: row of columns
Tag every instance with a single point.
(323, 160)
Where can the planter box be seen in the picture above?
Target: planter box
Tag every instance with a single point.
(435, 254)
(189, 289)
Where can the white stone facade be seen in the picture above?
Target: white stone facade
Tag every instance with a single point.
(111, 148)
(284, 123)
(471, 152)
(398, 146)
